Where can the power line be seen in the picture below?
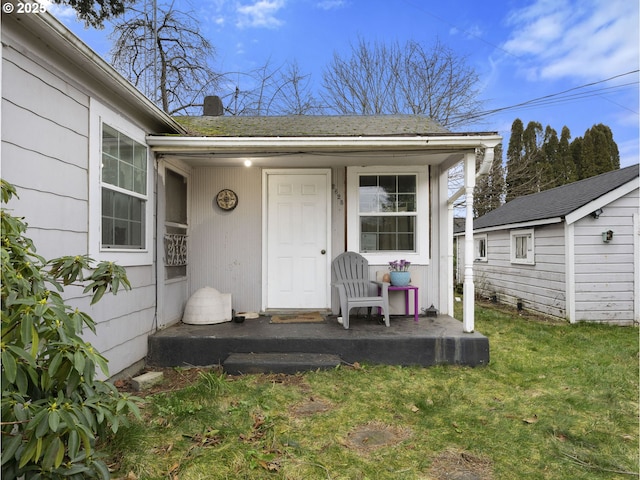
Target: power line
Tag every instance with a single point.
(556, 98)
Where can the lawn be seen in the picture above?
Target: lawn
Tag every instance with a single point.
(557, 401)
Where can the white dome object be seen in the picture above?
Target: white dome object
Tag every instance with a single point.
(208, 306)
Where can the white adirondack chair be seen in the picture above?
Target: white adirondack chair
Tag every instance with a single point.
(350, 275)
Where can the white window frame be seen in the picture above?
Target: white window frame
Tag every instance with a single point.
(98, 115)
(530, 255)
(421, 255)
(477, 240)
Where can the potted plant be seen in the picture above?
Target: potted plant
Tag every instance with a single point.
(400, 276)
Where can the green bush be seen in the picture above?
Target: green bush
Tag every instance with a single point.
(53, 407)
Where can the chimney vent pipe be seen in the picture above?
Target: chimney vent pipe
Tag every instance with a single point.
(213, 106)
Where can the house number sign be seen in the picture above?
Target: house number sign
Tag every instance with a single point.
(227, 199)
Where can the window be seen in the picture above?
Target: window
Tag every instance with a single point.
(386, 216)
(124, 190)
(480, 248)
(522, 247)
(387, 213)
(121, 196)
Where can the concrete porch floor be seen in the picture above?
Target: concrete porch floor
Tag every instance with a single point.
(429, 341)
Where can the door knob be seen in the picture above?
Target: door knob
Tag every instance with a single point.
(323, 251)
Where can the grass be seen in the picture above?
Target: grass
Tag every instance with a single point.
(556, 401)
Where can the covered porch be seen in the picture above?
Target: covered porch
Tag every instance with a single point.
(287, 348)
(307, 189)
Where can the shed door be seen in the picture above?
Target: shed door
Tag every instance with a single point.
(297, 235)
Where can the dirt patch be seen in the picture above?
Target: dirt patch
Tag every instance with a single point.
(310, 406)
(374, 435)
(525, 314)
(460, 465)
(173, 379)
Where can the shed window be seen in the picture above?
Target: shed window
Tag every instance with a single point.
(480, 248)
(522, 247)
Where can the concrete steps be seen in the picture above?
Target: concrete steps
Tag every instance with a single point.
(290, 363)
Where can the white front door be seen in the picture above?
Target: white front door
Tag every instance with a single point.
(297, 236)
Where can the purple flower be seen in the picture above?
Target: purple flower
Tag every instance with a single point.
(399, 266)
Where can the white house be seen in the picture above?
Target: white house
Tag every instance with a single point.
(571, 252)
(101, 170)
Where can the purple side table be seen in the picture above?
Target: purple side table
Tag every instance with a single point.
(406, 298)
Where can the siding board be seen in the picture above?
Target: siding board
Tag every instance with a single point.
(41, 93)
(44, 136)
(52, 212)
(39, 172)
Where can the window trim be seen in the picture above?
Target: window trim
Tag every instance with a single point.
(514, 235)
(421, 255)
(476, 250)
(100, 114)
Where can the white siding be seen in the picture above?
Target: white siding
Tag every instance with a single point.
(225, 248)
(604, 272)
(45, 154)
(541, 286)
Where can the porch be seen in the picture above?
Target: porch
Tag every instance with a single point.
(428, 341)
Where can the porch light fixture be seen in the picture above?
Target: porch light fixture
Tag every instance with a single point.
(247, 163)
(597, 213)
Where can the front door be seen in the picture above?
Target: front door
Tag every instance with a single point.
(297, 239)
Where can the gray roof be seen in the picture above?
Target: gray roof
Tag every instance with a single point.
(556, 202)
(314, 126)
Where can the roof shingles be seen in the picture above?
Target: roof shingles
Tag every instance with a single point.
(556, 202)
(312, 126)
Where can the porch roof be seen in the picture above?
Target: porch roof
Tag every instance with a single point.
(312, 126)
(223, 140)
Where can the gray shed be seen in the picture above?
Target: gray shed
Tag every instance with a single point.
(570, 252)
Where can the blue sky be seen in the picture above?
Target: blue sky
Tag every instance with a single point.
(522, 50)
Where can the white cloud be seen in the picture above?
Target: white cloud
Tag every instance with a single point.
(63, 13)
(588, 40)
(331, 4)
(261, 13)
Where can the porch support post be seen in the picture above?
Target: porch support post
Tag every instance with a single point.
(450, 256)
(468, 322)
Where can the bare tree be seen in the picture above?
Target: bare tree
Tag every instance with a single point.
(269, 90)
(293, 95)
(402, 79)
(163, 53)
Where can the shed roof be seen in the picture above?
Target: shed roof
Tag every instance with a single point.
(314, 126)
(556, 202)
